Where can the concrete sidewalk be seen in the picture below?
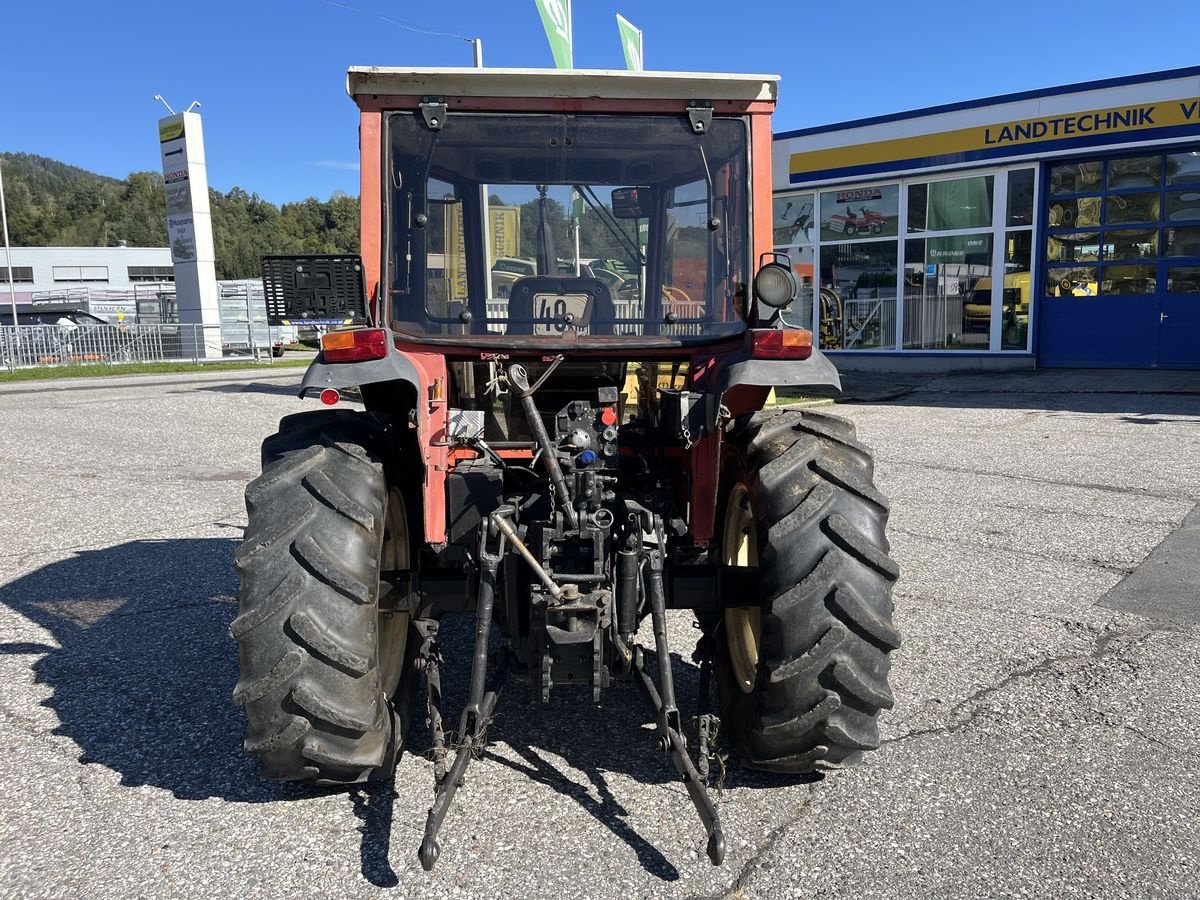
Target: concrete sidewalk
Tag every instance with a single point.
(864, 387)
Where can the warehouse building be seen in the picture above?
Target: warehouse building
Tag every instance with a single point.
(38, 270)
(1051, 228)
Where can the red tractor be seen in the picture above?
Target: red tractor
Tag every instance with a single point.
(566, 462)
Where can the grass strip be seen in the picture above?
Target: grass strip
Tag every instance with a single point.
(43, 373)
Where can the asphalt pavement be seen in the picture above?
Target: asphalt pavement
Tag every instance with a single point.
(1045, 740)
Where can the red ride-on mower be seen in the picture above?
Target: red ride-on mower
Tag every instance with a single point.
(867, 222)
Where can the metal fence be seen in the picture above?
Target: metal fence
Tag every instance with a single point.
(26, 346)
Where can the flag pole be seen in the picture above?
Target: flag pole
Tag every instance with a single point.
(12, 296)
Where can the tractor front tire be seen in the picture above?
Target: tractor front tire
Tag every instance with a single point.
(802, 676)
(327, 676)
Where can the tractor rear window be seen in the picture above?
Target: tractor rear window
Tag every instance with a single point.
(566, 228)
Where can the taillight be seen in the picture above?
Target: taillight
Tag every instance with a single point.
(354, 346)
(773, 343)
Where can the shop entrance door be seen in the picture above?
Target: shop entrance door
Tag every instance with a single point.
(1121, 265)
(1179, 316)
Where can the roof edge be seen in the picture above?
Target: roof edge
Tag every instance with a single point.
(617, 84)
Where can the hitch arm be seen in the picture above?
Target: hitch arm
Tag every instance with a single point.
(481, 702)
(666, 713)
(674, 744)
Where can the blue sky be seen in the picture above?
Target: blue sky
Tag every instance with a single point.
(79, 78)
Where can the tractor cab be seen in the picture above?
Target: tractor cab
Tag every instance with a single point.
(501, 192)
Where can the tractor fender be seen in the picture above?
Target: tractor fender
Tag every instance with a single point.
(393, 367)
(816, 371)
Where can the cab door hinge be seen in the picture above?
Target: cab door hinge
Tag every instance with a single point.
(700, 115)
(434, 111)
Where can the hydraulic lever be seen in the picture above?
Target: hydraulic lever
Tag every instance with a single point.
(519, 379)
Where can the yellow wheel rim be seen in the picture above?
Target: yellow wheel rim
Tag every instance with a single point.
(392, 631)
(742, 624)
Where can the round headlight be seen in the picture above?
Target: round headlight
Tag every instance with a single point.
(775, 285)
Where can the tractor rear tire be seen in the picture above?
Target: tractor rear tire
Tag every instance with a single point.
(327, 680)
(802, 676)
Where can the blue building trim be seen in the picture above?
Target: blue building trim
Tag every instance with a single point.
(1083, 145)
(1080, 87)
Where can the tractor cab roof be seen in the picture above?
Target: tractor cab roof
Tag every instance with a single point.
(570, 84)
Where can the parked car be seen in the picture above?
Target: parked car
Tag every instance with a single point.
(60, 334)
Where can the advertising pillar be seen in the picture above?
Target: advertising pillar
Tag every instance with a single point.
(189, 232)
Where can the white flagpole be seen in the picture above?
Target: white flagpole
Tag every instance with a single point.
(12, 296)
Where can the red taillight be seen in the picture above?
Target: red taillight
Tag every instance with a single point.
(330, 397)
(354, 346)
(773, 343)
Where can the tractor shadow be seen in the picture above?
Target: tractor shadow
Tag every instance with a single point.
(287, 389)
(144, 669)
(616, 738)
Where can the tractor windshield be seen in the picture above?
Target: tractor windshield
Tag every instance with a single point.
(564, 228)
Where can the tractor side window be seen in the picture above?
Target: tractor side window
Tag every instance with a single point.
(446, 262)
(686, 275)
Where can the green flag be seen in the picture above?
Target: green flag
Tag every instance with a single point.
(631, 43)
(556, 19)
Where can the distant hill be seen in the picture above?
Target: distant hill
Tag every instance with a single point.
(53, 204)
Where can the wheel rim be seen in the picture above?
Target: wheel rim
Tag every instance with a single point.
(742, 624)
(391, 633)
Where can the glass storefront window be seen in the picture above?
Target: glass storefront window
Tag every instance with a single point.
(1076, 246)
(1076, 281)
(1014, 300)
(1131, 244)
(1183, 168)
(1138, 279)
(860, 213)
(1020, 197)
(861, 277)
(950, 205)
(855, 274)
(948, 292)
(1183, 280)
(1136, 172)
(1083, 212)
(1183, 206)
(792, 218)
(1076, 178)
(1183, 241)
(1120, 209)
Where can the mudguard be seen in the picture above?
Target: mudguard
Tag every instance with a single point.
(816, 371)
(393, 367)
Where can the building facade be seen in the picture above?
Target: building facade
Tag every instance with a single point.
(37, 270)
(1054, 228)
